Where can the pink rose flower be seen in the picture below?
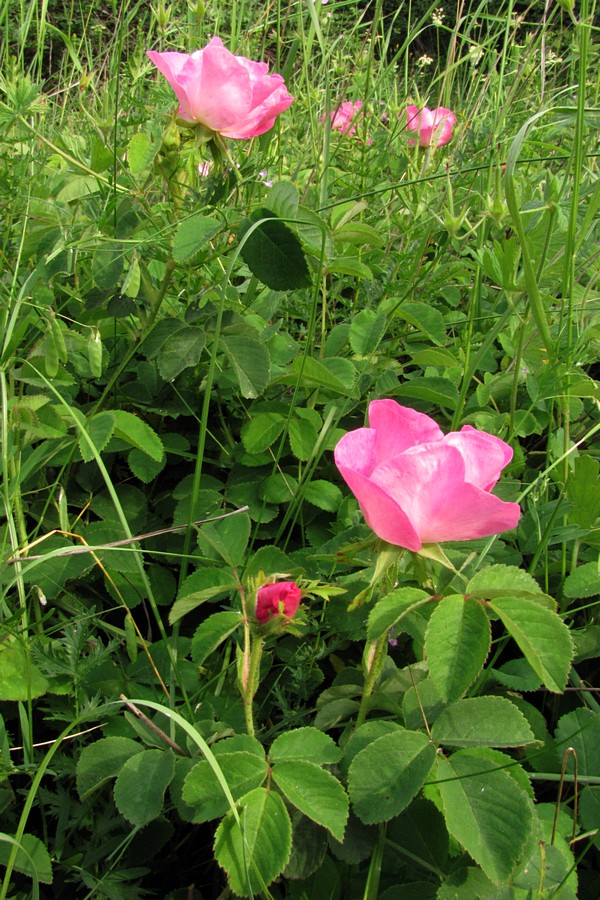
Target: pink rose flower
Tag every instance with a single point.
(272, 599)
(434, 126)
(416, 486)
(342, 118)
(229, 94)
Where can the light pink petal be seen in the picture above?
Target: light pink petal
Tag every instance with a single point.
(444, 120)
(434, 126)
(428, 485)
(229, 94)
(356, 450)
(217, 87)
(171, 64)
(382, 514)
(399, 427)
(262, 118)
(484, 455)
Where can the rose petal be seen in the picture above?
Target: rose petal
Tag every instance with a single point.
(399, 427)
(428, 484)
(380, 510)
(484, 455)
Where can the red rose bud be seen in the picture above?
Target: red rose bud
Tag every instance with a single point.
(274, 599)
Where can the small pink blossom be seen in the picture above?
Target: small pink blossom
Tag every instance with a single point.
(283, 597)
(204, 169)
(343, 118)
(229, 94)
(417, 486)
(433, 126)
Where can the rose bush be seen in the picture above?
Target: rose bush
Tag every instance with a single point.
(416, 485)
(229, 94)
(433, 126)
(273, 599)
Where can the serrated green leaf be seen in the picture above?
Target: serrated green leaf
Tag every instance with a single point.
(211, 634)
(385, 776)
(583, 582)
(358, 233)
(140, 153)
(457, 642)
(517, 675)
(257, 852)
(482, 722)
(270, 560)
(311, 373)
(205, 584)
(388, 611)
(440, 391)
(243, 771)
(580, 730)
(315, 792)
(228, 536)
(283, 199)
(323, 494)
(485, 811)
(465, 884)
(143, 466)
(274, 254)
(330, 715)
(103, 760)
(541, 634)
(314, 233)
(32, 857)
(309, 846)
(100, 429)
(420, 832)
(435, 356)
(501, 581)
(366, 330)
(278, 487)
(589, 810)
(308, 744)
(135, 431)
(425, 318)
(141, 784)
(303, 438)
(20, 678)
(76, 187)
(583, 490)
(349, 265)
(363, 736)
(193, 233)
(180, 351)
(250, 361)
(262, 431)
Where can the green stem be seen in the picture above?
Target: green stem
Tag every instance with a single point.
(375, 654)
(157, 300)
(250, 674)
(371, 891)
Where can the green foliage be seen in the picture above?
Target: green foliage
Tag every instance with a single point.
(181, 348)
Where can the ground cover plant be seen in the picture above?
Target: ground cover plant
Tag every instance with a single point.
(299, 445)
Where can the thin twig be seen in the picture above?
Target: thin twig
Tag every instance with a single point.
(150, 724)
(75, 551)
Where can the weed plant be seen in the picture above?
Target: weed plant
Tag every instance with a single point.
(186, 331)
